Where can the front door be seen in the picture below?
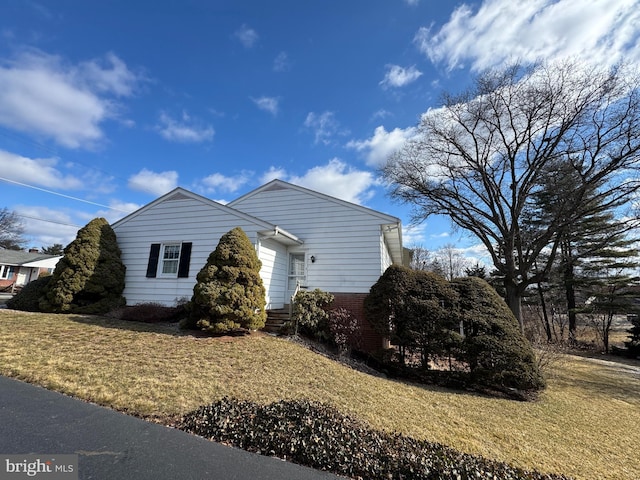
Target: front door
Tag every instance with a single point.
(297, 274)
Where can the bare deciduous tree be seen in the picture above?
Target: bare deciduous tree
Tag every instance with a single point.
(11, 230)
(478, 159)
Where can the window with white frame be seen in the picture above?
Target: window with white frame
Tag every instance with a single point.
(7, 271)
(170, 259)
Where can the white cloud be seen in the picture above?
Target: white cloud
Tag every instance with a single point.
(44, 226)
(185, 130)
(281, 63)
(247, 36)
(414, 235)
(110, 76)
(43, 96)
(381, 114)
(218, 182)
(500, 31)
(268, 104)
(118, 209)
(413, 3)
(382, 144)
(41, 172)
(398, 76)
(324, 126)
(153, 182)
(338, 179)
(272, 174)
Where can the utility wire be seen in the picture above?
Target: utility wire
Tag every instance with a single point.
(63, 195)
(48, 221)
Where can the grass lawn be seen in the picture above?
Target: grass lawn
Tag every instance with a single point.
(586, 424)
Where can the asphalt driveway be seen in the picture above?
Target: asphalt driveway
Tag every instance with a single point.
(111, 445)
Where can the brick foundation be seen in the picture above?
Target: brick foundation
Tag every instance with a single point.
(354, 302)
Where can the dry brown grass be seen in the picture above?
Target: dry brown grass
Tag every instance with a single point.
(586, 424)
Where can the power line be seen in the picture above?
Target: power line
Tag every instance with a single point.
(63, 195)
(48, 221)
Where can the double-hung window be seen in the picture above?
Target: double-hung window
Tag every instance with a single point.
(169, 260)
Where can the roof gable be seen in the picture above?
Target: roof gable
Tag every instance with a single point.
(180, 193)
(275, 185)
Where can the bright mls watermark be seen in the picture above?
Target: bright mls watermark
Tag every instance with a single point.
(49, 467)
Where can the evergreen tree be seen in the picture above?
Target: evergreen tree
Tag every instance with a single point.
(55, 249)
(608, 284)
(229, 293)
(90, 276)
(583, 238)
(633, 344)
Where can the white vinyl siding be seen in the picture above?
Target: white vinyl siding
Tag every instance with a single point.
(273, 256)
(171, 222)
(345, 241)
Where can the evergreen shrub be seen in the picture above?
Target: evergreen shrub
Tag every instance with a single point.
(89, 278)
(494, 347)
(387, 307)
(229, 294)
(632, 345)
(28, 299)
(310, 313)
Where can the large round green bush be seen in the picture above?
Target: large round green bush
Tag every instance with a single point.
(495, 349)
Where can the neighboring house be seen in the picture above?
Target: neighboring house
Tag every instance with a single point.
(301, 236)
(17, 267)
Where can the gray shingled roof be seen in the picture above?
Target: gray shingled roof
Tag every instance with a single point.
(19, 257)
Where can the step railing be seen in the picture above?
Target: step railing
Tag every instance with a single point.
(291, 303)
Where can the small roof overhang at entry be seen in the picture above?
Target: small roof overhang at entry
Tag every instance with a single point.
(281, 236)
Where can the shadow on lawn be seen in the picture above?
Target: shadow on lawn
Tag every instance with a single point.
(602, 373)
(163, 327)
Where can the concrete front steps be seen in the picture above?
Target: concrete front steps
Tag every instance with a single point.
(276, 319)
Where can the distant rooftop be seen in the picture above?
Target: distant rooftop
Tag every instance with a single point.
(20, 257)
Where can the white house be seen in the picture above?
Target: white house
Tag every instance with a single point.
(17, 268)
(301, 236)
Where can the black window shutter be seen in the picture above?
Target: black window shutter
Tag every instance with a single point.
(154, 254)
(185, 258)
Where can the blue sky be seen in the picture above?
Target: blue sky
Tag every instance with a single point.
(104, 106)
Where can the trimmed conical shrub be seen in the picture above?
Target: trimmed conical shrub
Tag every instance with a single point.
(229, 294)
(90, 276)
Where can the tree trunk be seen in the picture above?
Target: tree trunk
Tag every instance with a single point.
(570, 292)
(513, 297)
(543, 305)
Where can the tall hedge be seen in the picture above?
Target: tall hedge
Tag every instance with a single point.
(89, 278)
(431, 327)
(387, 306)
(229, 293)
(496, 351)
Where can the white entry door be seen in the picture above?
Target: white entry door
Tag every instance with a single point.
(297, 273)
